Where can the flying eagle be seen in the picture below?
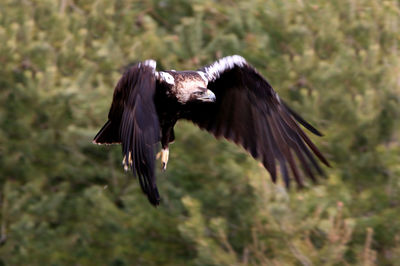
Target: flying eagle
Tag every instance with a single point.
(228, 98)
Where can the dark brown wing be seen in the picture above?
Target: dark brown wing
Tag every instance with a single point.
(133, 121)
(250, 113)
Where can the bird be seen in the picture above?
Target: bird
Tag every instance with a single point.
(228, 98)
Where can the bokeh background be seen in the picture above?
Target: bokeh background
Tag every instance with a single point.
(65, 201)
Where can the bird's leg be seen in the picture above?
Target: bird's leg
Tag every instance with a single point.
(164, 158)
(163, 154)
(167, 137)
(126, 162)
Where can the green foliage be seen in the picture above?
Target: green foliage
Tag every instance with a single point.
(65, 201)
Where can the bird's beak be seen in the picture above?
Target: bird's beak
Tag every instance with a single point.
(209, 96)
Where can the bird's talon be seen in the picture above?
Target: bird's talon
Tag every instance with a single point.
(127, 161)
(164, 158)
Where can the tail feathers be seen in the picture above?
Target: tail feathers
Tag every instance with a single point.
(108, 134)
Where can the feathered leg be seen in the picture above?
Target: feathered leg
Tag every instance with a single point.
(167, 137)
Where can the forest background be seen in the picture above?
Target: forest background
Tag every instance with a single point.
(65, 201)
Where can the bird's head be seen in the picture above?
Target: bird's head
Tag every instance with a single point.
(203, 94)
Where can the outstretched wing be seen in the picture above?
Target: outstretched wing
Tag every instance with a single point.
(250, 113)
(133, 115)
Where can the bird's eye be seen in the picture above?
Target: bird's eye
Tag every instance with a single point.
(198, 92)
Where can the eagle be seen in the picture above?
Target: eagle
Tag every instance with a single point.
(229, 98)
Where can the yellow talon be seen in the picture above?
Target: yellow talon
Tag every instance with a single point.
(164, 158)
(127, 164)
(130, 159)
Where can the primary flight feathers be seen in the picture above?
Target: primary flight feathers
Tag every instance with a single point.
(228, 98)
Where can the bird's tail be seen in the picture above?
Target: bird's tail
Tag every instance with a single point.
(108, 134)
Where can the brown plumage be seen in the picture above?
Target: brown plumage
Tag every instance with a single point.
(228, 98)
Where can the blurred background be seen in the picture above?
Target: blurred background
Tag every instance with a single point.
(65, 201)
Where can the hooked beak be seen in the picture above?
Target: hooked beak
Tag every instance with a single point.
(208, 96)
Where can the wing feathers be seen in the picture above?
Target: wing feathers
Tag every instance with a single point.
(250, 113)
(302, 121)
(291, 144)
(133, 109)
(108, 134)
(214, 70)
(294, 140)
